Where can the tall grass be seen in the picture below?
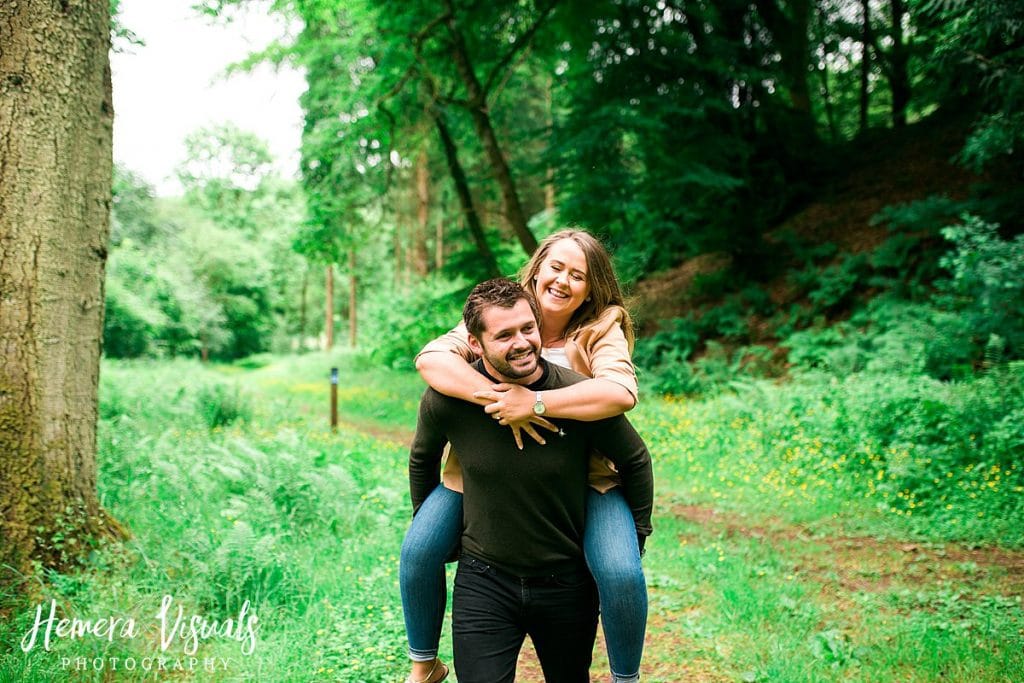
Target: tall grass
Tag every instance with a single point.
(272, 508)
(908, 454)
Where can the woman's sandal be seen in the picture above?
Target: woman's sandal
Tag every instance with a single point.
(430, 676)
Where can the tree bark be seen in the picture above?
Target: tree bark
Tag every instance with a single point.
(56, 118)
(549, 120)
(865, 65)
(302, 309)
(826, 90)
(399, 258)
(478, 111)
(899, 80)
(352, 297)
(790, 37)
(439, 240)
(329, 313)
(420, 255)
(489, 263)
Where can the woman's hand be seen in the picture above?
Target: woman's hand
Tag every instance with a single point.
(512, 405)
(510, 402)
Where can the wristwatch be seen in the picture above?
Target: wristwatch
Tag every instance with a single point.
(538, 406)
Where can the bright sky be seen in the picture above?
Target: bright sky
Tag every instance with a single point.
(174, 84)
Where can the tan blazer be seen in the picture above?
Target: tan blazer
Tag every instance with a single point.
(599, 349)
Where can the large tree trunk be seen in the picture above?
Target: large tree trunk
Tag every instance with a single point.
(899, 80)
(478, 111)
(489, 263)
(56, 118)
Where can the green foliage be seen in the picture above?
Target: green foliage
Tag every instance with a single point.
(677, 338)
(994, 136)
(157, 306)
(237, 274)
(225, 173)
(837, 283)
(825, 348)
(987, 287)
(399, 329)
(728, 320)
(180, 283)
(978, 50)
(714, 284)
(222, 404)
(133, 210)
(921, 322)
(921, 216)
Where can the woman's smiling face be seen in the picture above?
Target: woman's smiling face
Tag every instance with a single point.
(561, 283)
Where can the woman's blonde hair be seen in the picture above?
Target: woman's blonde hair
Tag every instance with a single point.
(604, 287)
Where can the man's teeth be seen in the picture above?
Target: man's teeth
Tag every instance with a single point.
(520, 356)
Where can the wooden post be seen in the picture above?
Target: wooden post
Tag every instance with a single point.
(334, 399)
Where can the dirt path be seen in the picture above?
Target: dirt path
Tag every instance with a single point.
(866, 563)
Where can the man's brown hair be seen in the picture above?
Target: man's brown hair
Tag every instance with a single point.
(499, 291)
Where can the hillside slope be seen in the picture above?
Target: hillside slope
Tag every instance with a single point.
(886, 168)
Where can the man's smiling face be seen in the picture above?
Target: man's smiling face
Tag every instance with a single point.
(510, 342)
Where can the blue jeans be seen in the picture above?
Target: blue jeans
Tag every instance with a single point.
(613, 556)
(610, 548)
(429, 543)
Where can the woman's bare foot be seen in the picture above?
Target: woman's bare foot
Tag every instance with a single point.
(428, 672)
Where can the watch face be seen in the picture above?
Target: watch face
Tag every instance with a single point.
(539, 407)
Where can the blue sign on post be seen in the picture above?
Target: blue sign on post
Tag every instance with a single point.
(334, 375)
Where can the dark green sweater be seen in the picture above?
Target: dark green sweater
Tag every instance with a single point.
(523, 510)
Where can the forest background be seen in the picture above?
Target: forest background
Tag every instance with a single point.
(815, 206)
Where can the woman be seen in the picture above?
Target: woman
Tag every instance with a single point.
(584, 326)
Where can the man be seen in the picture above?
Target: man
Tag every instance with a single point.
(522, 570)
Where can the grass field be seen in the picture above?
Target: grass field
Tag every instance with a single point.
(790, 543)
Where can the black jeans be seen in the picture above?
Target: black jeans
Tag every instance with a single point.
(492, 613)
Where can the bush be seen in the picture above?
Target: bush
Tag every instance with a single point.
(677, 338)
(399, 329)
(836, 284)
(221, 404)
(131, 323)
(836, 349)
(728, 321)
(987, 286)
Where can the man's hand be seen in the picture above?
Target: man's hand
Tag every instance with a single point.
(512, 405)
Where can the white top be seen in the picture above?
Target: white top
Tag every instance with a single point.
(556, 356)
